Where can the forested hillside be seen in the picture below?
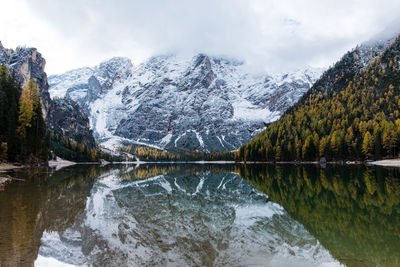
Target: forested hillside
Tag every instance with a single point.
(350, 113)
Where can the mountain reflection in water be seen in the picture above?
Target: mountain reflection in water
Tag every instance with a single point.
(202, 215)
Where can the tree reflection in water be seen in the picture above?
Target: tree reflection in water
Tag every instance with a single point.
(353, 211)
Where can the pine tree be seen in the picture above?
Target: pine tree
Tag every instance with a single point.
(34, 92)
(39, 145)
(25, 112)
(368, 145)
(12, 91)
(3, 103)
(31, 125)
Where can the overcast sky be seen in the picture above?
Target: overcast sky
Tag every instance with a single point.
(276, 35)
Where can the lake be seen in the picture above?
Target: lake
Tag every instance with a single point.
(201, 215)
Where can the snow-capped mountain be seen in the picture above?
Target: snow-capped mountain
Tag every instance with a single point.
(203, 103)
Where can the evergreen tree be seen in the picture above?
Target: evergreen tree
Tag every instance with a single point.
(25, 112)
(368, 145)
(31, 125)
(13, 97)
(3, 104)
(37, 133)
(8, 112)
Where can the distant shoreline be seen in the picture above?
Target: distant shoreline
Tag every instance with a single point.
(382, 163)
(58, 164)
(386, 163)
(7, 167)
(4, 167)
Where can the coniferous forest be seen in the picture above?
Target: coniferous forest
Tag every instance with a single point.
(24, 136)
(347, 114)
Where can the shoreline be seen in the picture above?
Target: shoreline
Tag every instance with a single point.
(385, 163)
(5, 167)
(61, 163)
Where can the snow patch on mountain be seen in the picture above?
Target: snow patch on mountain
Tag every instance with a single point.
(247, 111)
(74, 81)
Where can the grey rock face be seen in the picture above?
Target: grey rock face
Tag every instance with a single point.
(202, 104)
(28, 64)
(67, 117)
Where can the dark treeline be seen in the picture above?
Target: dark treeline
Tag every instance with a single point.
(23, 133)
(339, 118)
(145, 153)
(72, 150)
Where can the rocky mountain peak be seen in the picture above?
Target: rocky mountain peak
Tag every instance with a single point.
(115, 68)
(201, 103)
(201, 71)
(202, 59)
(85, 85)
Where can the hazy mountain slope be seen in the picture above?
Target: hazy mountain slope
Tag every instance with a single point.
(341, 117)
(336, 78)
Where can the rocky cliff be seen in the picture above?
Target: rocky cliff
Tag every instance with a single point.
(66, 117)
(28, 64)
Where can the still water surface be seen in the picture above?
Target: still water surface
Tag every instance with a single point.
(201, 215)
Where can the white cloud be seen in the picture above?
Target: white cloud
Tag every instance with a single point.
(271, 34)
